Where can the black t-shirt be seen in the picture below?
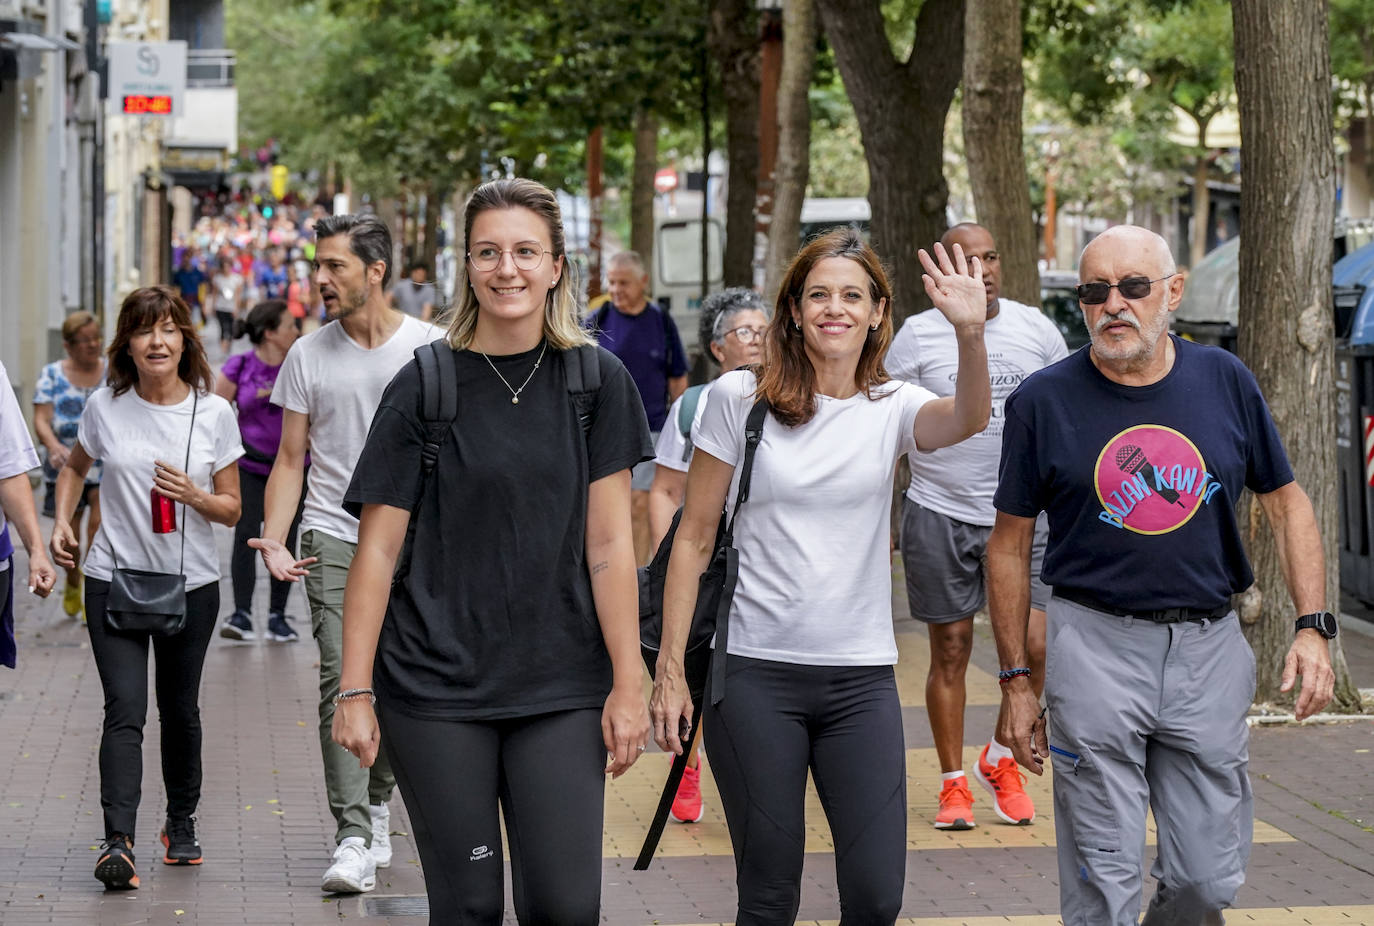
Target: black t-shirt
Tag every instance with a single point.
(495, 617)
(1140, 483)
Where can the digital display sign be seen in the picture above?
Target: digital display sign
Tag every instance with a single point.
(145, 105)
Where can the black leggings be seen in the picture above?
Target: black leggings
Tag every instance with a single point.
(122, 661)
(844, 723)
(548, 775)
(243, 561)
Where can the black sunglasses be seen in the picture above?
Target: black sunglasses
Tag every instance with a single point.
(1131, 288)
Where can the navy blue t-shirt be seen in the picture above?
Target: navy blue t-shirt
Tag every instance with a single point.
(1140, 483)
(649, 346)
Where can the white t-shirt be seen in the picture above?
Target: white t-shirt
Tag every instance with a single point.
(815, 574)
(128, 434)
(672, 450)
(958, 481)
(16, 449)
(338, 383)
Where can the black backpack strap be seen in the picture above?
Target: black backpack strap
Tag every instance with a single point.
(582, 372)
(665, 801)
(438, 411)
(753, 434)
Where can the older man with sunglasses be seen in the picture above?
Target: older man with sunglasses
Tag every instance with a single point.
(1138, 450)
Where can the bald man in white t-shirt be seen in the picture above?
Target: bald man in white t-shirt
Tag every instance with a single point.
(947, 516)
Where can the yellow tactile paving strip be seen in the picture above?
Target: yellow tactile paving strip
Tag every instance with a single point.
(1276, 916)
(630, 802)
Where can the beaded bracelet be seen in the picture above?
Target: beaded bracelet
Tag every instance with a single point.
(1007, 675)
(354, 693)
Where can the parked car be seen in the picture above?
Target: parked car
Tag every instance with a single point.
(1059, 300)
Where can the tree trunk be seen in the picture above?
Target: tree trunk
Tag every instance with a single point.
(433, 200)
(1283, 80)
(794, 139)
(642, 185)
(993, 92)
(1369, 135)
(1202, 198)
(901, 108)
(594, 213)
(732, 36)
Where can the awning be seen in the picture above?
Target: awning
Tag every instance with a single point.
(32, 41)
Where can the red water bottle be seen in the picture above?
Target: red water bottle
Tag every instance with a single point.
(164, 514)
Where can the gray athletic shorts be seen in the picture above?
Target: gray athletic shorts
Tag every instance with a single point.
(943, 560)
(642, 476)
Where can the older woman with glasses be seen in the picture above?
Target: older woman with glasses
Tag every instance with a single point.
(59, 398)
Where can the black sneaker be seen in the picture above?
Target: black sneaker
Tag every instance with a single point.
(179, 836)
(237, 626)
(115, 869)
(279, 629)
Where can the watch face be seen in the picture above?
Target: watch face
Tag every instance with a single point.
(1328, 624)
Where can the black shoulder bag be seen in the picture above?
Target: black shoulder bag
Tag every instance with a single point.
(151, 602)
(711, 618)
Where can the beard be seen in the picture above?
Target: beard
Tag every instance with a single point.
(1129, 351)
(349, 301)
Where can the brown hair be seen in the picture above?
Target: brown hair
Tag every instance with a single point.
(788, 380)
(74, 323)
(144, 308)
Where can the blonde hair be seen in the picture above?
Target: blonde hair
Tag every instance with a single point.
(562, 315)
(73, 323)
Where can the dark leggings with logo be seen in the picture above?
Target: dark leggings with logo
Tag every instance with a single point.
(843, 723)
(122, 661)
(546, 773)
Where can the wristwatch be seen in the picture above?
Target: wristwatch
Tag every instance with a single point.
(1324, 622)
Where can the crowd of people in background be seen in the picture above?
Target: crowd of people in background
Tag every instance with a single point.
(513, 665)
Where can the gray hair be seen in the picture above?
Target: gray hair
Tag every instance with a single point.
(628, 259)
(368, 238)
(719, 310)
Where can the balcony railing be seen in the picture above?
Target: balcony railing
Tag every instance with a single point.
(209, 67)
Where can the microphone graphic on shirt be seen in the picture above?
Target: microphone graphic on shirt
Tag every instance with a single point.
(1131, 459)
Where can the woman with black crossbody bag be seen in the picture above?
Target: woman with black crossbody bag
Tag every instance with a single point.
(152, 573)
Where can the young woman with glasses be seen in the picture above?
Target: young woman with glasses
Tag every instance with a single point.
(809, 677)
(506, 657)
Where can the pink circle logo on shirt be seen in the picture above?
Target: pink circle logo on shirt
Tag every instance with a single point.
(1151, 480)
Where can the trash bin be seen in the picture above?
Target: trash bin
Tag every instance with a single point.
(1353, 302)
(1211, 301)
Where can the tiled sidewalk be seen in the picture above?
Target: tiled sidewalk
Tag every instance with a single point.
(266, 828)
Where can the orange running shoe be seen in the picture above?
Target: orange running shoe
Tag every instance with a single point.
(687, 802)
(1006, 783)
(956, 806)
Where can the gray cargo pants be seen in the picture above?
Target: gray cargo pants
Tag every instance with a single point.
(1148, 712)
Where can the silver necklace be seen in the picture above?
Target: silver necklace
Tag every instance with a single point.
(515, 393)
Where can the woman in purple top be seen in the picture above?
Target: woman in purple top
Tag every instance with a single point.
(246, 380)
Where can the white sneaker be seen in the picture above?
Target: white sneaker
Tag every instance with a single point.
(381, 834)
(353, 871)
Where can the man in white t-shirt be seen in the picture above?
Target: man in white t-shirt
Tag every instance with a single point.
(17, 457)
(947, 516)
(329, 387)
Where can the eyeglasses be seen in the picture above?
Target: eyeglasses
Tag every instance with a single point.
(746, 335)
(528, 255)
(1131, 288)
